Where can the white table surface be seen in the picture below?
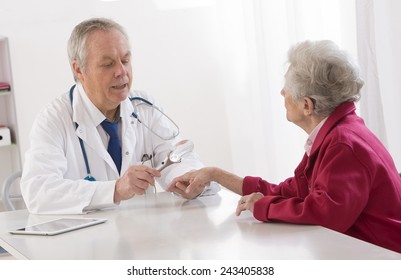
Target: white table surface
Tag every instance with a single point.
(164, 226)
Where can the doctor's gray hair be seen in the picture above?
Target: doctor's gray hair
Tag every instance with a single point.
(324, 73)
(77, 49)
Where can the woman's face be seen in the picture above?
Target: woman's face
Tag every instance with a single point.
(295, 109)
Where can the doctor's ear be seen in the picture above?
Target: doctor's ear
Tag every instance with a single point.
(309, 106)
(78, 73)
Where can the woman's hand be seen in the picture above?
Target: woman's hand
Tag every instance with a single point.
(247, 202)
(191, 184)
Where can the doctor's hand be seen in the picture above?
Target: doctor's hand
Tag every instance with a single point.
(191, 184)
(247, 202)
(135, 181)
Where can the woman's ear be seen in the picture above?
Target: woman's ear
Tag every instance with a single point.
(309, 106)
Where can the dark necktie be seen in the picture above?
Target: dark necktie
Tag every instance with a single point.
(114, 146)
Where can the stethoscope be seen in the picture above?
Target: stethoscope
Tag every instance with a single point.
(173, 130)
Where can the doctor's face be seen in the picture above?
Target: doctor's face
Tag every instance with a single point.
(107, 74)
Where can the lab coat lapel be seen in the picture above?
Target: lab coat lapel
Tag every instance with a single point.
(90, 137)
(88, 132)
(128, 135)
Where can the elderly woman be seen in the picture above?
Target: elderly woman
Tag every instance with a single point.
(346, 181)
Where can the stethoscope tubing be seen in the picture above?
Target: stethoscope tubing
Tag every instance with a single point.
(89, 177)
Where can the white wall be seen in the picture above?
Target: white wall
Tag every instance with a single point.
(177, 58)
(388, 44)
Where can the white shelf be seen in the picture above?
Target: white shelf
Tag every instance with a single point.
(9, 154)
(8, 146)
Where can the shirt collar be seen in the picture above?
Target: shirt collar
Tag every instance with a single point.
(312, 137)
(96, 115)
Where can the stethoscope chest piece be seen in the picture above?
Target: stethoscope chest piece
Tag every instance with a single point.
(90, 178)
(175, 156)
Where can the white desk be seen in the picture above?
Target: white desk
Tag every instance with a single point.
(168, 227)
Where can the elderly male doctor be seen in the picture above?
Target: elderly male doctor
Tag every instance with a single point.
(69, 167)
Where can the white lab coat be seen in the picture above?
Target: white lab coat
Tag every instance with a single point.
(53, 175)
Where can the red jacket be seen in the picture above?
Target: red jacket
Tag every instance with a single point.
(349, 183)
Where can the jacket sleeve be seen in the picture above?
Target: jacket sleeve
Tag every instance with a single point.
(257, 184)
(291, 187)
(334, 199)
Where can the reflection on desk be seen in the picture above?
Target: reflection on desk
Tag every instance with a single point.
(164, 226)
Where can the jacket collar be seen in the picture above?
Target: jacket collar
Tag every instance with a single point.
(340, 112)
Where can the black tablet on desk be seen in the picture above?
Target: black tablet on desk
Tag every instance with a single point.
(58, 226)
